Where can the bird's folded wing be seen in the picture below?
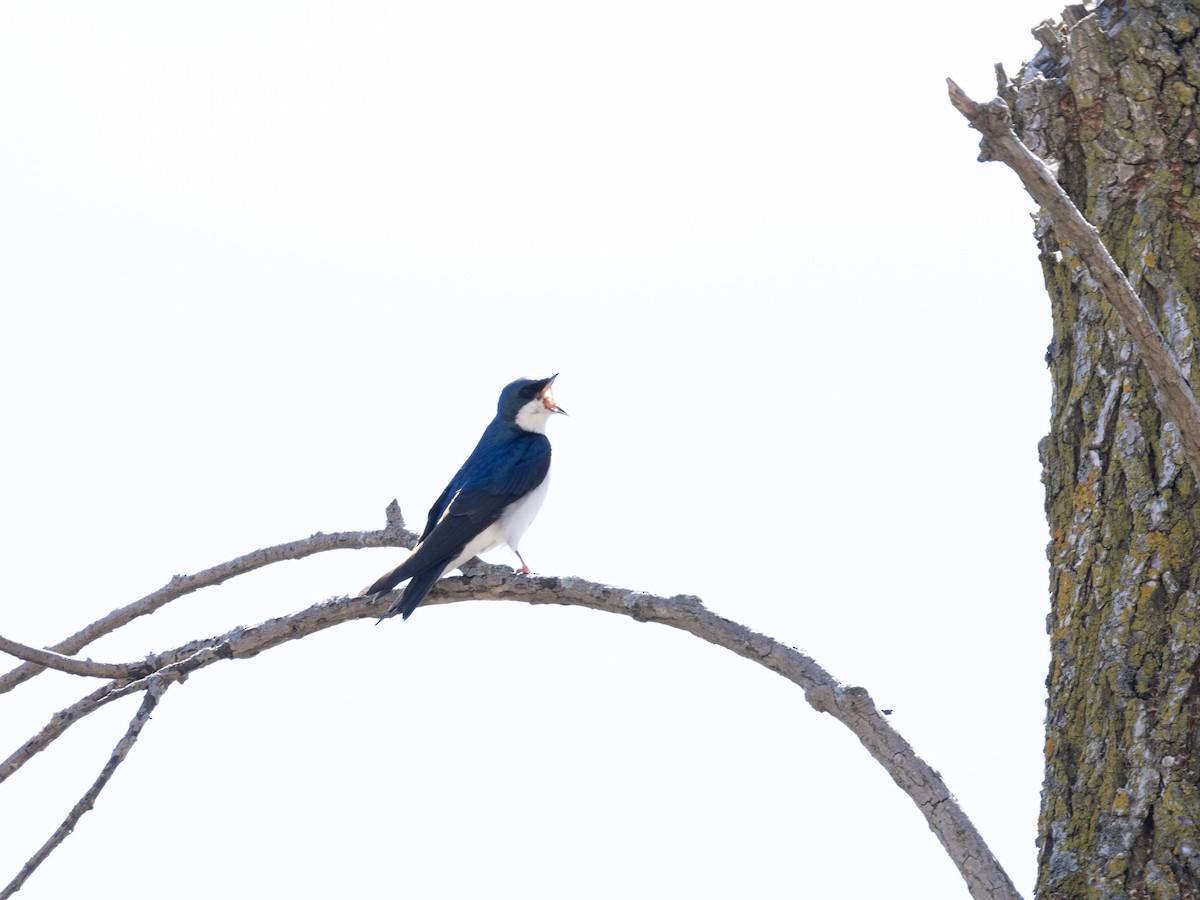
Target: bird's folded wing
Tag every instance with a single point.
(484, 494)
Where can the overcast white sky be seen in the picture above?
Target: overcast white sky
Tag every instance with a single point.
(266, 266)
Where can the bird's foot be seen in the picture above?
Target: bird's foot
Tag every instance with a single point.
(524, 570)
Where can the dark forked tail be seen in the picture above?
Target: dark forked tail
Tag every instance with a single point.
(414, 593)
(422, 579)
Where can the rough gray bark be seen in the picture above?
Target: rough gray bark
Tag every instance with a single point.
(1111, 100)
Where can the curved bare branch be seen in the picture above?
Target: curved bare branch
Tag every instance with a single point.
(850, 705)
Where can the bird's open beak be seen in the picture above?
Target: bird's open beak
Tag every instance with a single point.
(548, 396)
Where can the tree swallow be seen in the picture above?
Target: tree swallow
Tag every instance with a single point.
(490, 501)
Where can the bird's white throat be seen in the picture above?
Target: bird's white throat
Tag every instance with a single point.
(533, 416)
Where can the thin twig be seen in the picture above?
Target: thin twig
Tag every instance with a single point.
(153, 693)
(50, 660)
(394, 535)
(52, 730)
(1000, 142)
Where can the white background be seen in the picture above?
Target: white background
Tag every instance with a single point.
(266, 266)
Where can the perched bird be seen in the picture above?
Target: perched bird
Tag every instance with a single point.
(490, 500)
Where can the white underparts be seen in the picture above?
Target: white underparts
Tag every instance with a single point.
(518, 516)
(513, 523)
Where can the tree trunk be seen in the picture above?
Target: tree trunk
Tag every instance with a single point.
(1112, 99)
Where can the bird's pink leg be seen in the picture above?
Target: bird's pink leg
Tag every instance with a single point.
(525, 570)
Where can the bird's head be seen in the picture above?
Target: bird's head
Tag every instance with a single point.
(529, 403)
